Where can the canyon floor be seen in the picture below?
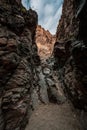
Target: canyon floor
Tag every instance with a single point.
(54, 117)
(59, 114)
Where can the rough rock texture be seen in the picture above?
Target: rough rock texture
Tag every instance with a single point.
(68, 24)
(18, 59)
(70, 51)
(45, 42)
(24, 82)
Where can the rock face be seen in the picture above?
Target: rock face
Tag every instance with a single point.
(18, 59)
(68, 24)
(45, 42)
(70, 51)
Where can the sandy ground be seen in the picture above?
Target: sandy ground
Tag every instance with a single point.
(54, 117)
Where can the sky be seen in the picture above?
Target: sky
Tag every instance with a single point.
(49, 12)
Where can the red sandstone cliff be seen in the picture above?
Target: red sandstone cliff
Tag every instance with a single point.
(45, 42)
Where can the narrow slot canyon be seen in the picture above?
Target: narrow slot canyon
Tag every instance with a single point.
(43, 76)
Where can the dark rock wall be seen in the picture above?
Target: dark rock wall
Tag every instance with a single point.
(68, 24)
(83, 21)
(18, 60)
(70, 51)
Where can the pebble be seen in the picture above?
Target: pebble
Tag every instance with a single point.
(46, 71)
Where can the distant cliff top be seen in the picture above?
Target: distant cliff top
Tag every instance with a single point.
(45, 41)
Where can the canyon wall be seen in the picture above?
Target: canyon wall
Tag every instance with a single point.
(18, 60)
(45, 42)
(70, 51)
(68, 24)
(20, 72)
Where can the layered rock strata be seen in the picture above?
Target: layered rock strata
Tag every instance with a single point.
(70, 51)
(18, 59)
(45, 42)
(24, 82)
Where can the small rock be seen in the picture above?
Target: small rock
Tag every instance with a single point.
(50, 82)
(46, 71)
(16, 96)
(3, 41)
(55, 97)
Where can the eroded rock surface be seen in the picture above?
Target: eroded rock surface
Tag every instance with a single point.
(18, 59)
(25, 81)
(68, 24)
(70, 52)
(45, 42)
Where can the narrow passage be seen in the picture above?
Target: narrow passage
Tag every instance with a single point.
(57, 113)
